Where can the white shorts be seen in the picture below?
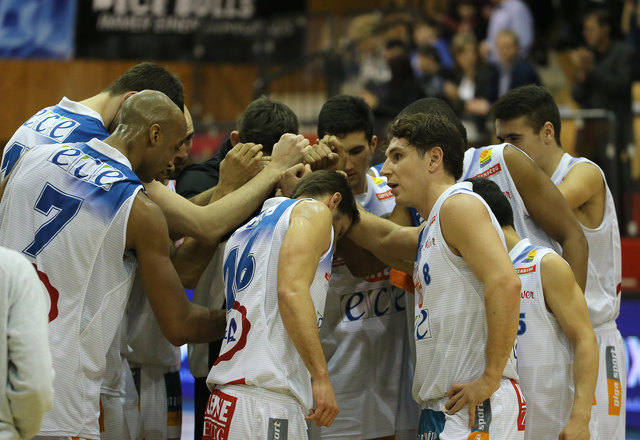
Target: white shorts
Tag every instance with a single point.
(241, 412)
(160, 401)
(611, 388)
(501, 417)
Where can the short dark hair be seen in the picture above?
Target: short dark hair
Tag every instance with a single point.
(602, 15)
(425, 131)
(323, 182)
(436, 106)
(344, 114)
(264, 121)
(495, 198)
(429, 52)
(534, 102)
(149, 76)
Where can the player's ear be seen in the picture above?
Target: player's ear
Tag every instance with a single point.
(234, 137)
(335, 200)
(374, 143)
(436, 156)
(154, 134)
(127, 96)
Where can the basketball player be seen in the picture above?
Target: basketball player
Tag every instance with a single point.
(529, 118)
(467, 292)
(557, 349)
(539, 210)
(363, 333)
(77, 212)
(26, 376)
(276, 270)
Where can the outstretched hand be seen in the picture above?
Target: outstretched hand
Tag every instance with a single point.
(289, 151)
(240, 165)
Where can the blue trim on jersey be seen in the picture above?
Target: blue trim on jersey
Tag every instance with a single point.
(431, 424)
(523, 254)
(378, 167)
(416, 218)
(107, 188)
(476, 157)
(87, 126)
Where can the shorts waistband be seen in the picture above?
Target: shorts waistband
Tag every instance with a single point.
(438, 404)
(260, 393)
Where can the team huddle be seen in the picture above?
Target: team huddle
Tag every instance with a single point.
(447, 293)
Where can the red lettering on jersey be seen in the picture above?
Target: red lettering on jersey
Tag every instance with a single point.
(526, 294)
(491, 171)
(218, 415)
(54, 295)
(522, 406)
(524, 270)
(327, 276)
(337, 261)
(384, 196)
(618, 289)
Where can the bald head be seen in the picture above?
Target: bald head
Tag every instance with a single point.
(436, 106)
(153, 129)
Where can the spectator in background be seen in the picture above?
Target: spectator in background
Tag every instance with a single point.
(26, 375)
(403, 88)
(427, 34)
(603, 77)
(468, 92)
(630, 26)
(512, 70)
(433, 76)
(464, 17)
(508, 14)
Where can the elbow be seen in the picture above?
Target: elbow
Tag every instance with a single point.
(177, 339)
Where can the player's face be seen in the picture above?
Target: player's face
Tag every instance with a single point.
(405, 171)
(354, 151)
(171, 145)
(181, 157)
(519, 133)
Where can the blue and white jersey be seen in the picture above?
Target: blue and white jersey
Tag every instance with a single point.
(488, 162)
(67, 122)
(66, 208)
(257, 349)
(545, 356)
(450, 317)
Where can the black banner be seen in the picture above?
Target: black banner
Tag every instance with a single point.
(210, 30)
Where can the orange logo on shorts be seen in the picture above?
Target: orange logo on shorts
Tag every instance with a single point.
(475, 435)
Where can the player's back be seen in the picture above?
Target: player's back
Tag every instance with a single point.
(604, 276)
(489, 162)
(66, 208)
(256, 349)
(450, 317)
(68, 122)
(545, 356)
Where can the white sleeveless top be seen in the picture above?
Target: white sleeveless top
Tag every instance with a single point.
(489, 162)
(545, 356)
(604, 276)
(66, 208)
(450, 317)
(67, 122)
(363, 336)
(257, 349)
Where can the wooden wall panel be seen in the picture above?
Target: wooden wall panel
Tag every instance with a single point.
(28, 86)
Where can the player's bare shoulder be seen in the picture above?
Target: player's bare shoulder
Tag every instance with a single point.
(313, 210)
(146, 218)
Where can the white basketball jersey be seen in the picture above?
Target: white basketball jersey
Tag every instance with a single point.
(604, 276)
(545, 356)
(68, 122)
(363, 336)
(66, 208)
(256, 349)
(450, 327)
(488, 162)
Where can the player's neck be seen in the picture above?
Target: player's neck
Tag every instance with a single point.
(105, 104)
(511, 238)
(550, 161)
(431, 194)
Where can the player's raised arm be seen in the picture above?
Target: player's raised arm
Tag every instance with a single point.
(180, 320)
(393, 244)
(469, 232)
(209, 223)
(566, 301)
(308, 238)
(550, 211)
